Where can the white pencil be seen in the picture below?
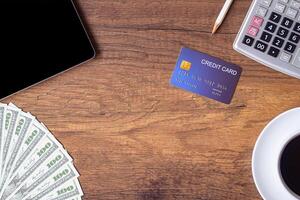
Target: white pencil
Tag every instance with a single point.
(222, 15)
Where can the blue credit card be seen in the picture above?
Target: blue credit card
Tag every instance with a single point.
(206, 75)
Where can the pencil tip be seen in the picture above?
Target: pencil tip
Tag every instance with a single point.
(214, 29)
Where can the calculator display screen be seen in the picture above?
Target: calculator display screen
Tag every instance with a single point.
(39, 38)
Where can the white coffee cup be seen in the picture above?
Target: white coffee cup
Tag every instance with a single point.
(267, 154)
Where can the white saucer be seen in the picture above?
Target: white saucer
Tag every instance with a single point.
(266, 153)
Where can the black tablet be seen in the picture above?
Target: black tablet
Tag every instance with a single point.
(39, 38)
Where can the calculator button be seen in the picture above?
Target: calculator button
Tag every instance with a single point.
(261, 11)
(248, 40)
(273, 52)
(279, 7)
(289, 47)
(295, 4)
(285, 57)
(257, 21)
(294, 38)
(287, 22)
(266, 36)
(297, 28)
(296, 61)
(252, 31)
(266, 2)
(282, 32)
(275, 17)
(278, 42)
(260, 46)
(270, 27)
(291, 13)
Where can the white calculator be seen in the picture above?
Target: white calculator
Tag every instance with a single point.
(270, 34)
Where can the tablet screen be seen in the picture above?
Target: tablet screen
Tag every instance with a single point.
(40, 39)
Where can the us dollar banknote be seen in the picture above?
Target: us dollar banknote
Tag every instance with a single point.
(23, 122)
(34, 135)
(2, 109)
(34, 165)
(61, 176)
(68, 190)
(43, 150)
(10, 118)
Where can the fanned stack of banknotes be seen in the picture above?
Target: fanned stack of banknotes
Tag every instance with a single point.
(33, 164)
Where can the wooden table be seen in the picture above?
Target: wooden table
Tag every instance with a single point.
(131, 134)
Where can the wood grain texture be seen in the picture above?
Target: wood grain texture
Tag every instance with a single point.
(131, 134)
